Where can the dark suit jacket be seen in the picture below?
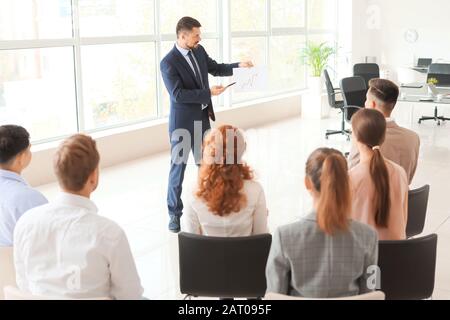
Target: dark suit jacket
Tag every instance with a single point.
(186, 94)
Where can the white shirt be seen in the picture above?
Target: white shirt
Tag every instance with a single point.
(250, 220)
(66, 250)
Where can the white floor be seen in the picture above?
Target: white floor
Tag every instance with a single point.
(133, 194)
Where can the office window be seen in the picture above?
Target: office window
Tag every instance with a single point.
(205, 11)
(85, 65)
(286, 70)
(322, 14)
(118, 84)
(116, 17)
(35, 19)
(248, 15)
(288, 13)
(37, 91)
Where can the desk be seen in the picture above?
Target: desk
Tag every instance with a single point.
(417, 96)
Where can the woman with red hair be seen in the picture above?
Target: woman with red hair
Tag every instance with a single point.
(227, 202)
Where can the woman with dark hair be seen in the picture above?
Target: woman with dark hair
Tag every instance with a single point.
(380, 187)
(326, 254)
(227, 202)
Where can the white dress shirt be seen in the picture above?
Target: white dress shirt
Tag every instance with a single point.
(66, 250)
(250, 220)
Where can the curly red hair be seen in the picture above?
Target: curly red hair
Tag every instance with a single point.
(222, 173)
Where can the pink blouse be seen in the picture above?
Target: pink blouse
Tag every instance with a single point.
(362, 202)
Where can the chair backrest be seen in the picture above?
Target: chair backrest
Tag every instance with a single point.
(367, 71)
(223, 267)
(13, 293)
(417, 210)
(375, 295)
(330, 90)
(408, 268)
(354, 92)
(7, 270)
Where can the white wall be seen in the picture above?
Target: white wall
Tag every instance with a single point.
(385, 38)
(127, 144)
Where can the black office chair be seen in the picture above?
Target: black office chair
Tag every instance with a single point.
(223, 267)
(367, 71)
(408, 268)
(353, 91)
(417, 210)
(438, 71)
(337, 104)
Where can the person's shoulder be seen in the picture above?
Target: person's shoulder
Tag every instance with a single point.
(407, 132)
(30, 194)
(396, 170)
(253, 185)
(303, 226)
(33, 216)
(363, 233)
(167, 58)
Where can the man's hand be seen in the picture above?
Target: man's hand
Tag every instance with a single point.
(246, 64)
(217, 90)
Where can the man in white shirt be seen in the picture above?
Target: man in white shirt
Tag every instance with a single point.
(65, 249)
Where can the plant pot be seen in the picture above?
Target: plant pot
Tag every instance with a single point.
(315, 85)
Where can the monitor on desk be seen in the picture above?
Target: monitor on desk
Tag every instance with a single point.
(424, 62)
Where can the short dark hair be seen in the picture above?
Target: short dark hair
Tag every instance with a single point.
(187, 24)
(385, 91)
(13, 140)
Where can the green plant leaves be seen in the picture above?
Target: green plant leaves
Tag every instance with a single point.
(316, 57)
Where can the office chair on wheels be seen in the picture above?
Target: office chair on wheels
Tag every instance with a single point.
(439, 74)
(336, 104)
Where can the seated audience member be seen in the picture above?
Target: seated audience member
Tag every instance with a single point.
(401, 145)
(228, 202)
(65, 249)
(379, 186)
(325, 254)
(16, 196)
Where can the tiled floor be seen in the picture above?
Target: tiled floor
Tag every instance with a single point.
(133, 194)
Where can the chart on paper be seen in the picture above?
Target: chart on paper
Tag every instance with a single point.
(250, 79)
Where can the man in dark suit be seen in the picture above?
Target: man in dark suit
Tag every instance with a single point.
(185, 73)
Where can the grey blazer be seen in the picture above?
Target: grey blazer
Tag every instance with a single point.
(306, 262)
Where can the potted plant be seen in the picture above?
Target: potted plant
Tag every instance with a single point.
(316, 57)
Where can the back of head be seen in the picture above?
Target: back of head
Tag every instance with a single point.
(75, 160)
(13, 141)
(369, 128)
(222, 174)
(386, 92)
(186, 24)
(327, 169)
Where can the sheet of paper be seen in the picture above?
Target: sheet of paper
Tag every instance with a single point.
(250, 79)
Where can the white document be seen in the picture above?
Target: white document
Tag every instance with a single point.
(250, 79)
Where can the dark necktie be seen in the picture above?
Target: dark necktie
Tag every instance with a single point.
(198, 76)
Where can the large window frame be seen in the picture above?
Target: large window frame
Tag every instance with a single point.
(223, 35)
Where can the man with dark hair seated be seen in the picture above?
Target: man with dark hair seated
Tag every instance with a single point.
(16, 196)
(401, 145)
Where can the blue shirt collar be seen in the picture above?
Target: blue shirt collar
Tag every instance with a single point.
(183, 51)
(6, 174)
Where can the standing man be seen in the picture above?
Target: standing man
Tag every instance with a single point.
(185, 73)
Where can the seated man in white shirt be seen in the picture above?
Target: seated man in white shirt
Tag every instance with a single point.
(16, 196)
(65, 249)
